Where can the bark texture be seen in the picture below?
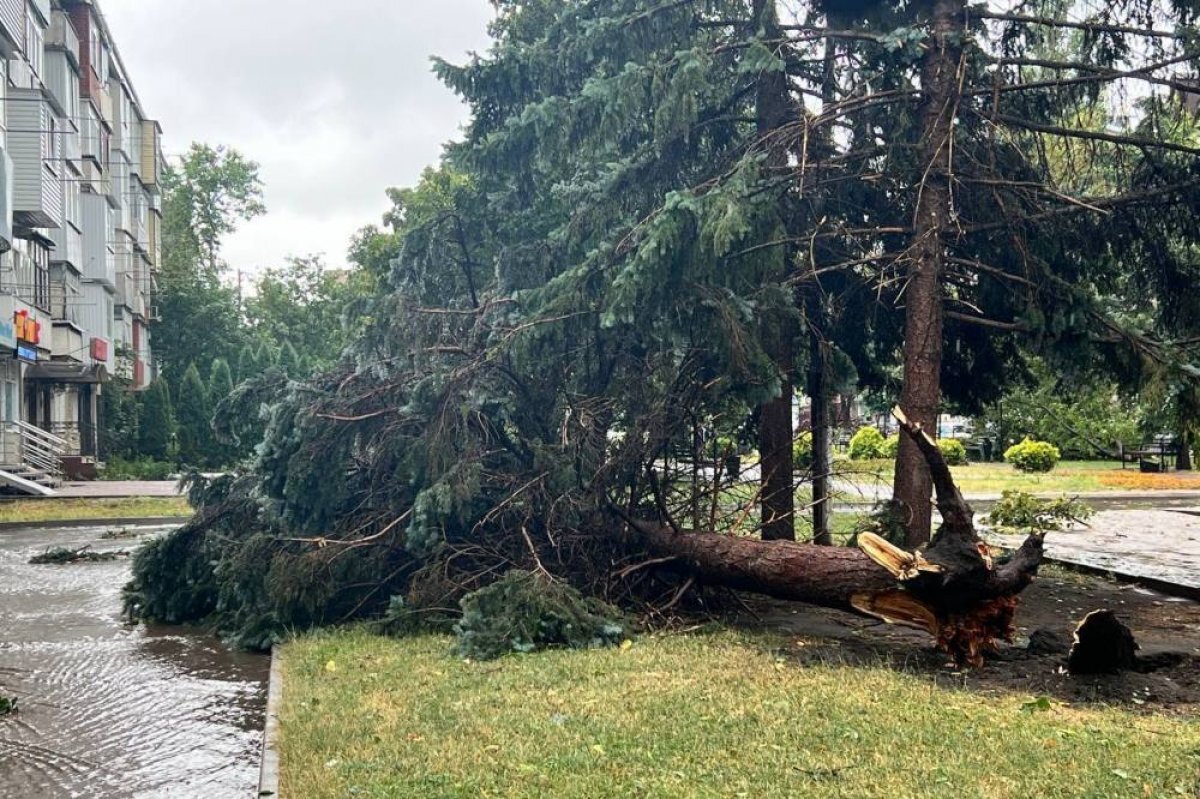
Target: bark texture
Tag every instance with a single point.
(774, 110)
(926, 256)
(818, 393)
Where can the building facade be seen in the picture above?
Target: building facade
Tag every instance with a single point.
(79, 230)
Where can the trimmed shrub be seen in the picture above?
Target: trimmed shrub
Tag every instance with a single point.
(891, 446)
(137, 469)
(866, 445)
(802, 451)
(526, 612)
(1032, 456)
(953, 451)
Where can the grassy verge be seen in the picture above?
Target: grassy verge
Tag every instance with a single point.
(699, 716)
(59, 510)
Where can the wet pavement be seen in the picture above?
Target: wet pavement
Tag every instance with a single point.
(1150, 543)
(110, 710)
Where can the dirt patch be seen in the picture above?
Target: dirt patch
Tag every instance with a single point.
(1168, 630)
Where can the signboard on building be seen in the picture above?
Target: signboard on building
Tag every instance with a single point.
(99, 349)
(27, 353)
(8, 327)
(29, 329)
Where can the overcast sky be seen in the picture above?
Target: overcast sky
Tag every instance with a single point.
(334, 99)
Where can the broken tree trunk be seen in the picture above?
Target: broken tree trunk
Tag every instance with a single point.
(953, 589)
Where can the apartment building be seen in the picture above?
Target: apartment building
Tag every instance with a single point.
(79, 230)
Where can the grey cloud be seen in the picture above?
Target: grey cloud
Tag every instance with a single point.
(335, 100)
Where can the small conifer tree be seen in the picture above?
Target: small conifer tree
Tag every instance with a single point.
(156, 427)
(247, 365)
(193, 416)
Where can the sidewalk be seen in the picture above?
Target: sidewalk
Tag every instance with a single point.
(1151, 544)
(117, 489)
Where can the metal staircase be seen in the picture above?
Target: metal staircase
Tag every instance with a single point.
(40, 469)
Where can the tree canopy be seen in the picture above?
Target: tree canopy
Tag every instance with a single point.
(660, 215)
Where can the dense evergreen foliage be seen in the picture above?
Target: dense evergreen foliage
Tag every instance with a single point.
(156, 426)
(192, 419)
(662, 216)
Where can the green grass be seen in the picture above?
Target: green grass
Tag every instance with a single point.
(690, 716)
(58, 510)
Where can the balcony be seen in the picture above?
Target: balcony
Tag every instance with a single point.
(104, 100)
(62, 36)
(12, 26)
(37, 190)
(65, 294)
(153, 252)
(98, 261)
(68, 246)
(130, 294)
(6, 171)
(67, 343)
(151, 154)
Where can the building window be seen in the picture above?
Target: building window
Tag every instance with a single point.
(33, 45)
(52, 141)
(41, 275)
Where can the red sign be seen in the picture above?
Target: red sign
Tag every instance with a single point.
(99, 349)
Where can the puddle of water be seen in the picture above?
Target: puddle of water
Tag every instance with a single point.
(109, 710)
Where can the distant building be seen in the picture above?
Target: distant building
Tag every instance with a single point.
(80, 220)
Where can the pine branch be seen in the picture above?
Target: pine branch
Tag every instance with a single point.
(1090, 27)
(1095, 135)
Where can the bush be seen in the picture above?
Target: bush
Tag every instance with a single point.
(1033, 456)
(866, 445)
(727, 447)
(802, 451)
(891, 446)
(951, 448)
(526, 612)
(953, 451)
(1018, 510)
(137, 469)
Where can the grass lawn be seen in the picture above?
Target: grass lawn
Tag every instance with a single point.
(715, 715)
(1067, 477)
(54, 510)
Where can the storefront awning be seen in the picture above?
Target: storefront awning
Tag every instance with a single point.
(55, 372)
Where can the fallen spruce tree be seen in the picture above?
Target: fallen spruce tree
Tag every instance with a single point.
(237, 567)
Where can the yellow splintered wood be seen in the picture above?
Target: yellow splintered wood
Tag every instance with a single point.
(897, 607)
(901, 417)
(902, 564)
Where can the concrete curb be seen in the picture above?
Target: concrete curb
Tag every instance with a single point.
(140, 521)
(1152, 583)
(268, 776)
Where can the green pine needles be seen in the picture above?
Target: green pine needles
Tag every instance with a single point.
(527, 612)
